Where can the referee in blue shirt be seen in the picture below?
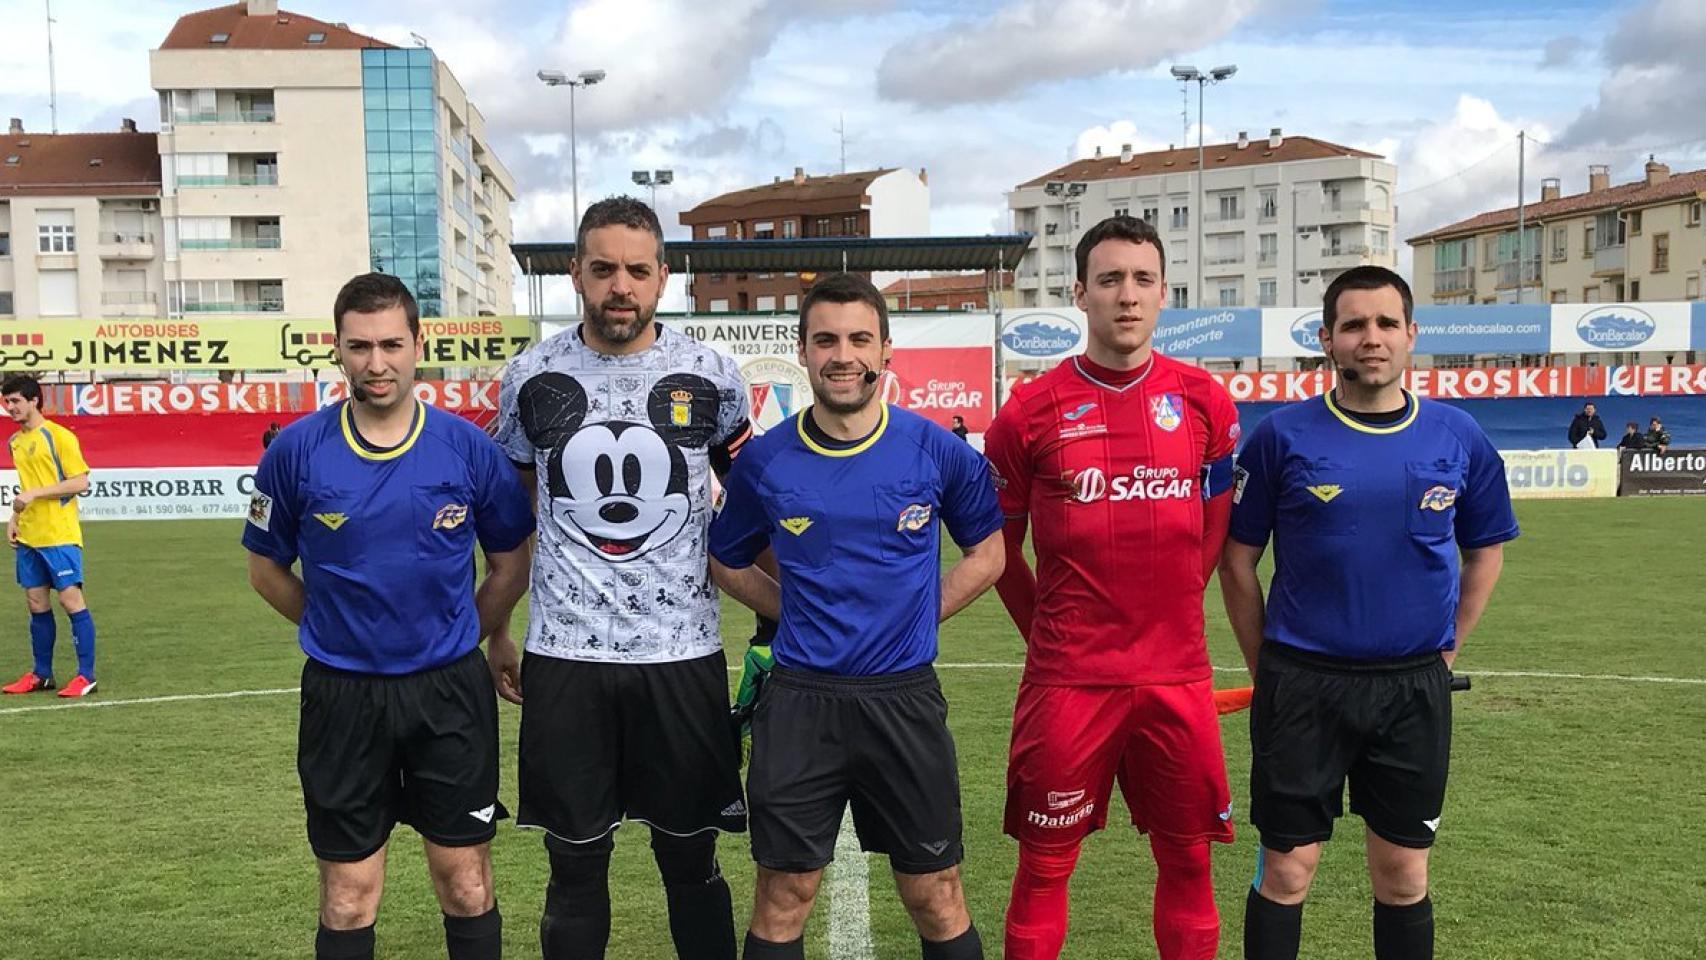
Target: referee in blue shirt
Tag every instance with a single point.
(848, 496)
(383, 498)
(1388, 514)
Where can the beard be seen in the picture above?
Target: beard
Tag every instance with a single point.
(861, 399)
(615, 329)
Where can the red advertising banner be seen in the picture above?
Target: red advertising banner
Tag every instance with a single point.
(942, 382)
(1485, 382)
(106, 399)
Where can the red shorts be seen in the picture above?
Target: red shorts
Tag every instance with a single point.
(1161, 741)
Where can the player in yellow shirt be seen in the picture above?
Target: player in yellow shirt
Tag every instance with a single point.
(47, 537)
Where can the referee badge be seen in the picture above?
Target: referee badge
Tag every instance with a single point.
(450, 516)
(1439, 498)
(915, 517)
(260, 510)
(1167, 409)
(680, 407)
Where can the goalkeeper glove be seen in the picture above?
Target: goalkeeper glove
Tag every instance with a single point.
(754, 670)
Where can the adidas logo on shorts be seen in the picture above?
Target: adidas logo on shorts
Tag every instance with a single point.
(736, 809)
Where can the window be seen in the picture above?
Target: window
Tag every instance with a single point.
(1122, 211)
(766, 304)
(1231, 294)
(968, 305)
(219, 38)
(1267, 292)
(54, 232)
(821, 225)
(1229, 207)
(1661, 252)
(13, 159)
(719, 306)
(850, 226)
(1634, 291)
(790, 229)
(1382, 241)
(1151, 215)
(716, 233)
(1558, 296)
(1267, 205)
(5, 244)
(1181, 297)
(764, 230)
(1690, 288)
(1590, 294)
(1691, 214)
(1634, 221)
(1181, 218)
(714, 278)
(1560, 242)
(5, 303)
(1267, 249)
(791, 302)
(316, 37)
(1587, 239)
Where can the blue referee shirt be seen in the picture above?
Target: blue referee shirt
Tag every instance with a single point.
(1367, 521)
(386, 537)
(856, 537)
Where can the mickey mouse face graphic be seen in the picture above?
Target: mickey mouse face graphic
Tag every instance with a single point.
(617, 487)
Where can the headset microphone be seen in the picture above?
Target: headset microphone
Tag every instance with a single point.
(1349, 375)
(871, 376)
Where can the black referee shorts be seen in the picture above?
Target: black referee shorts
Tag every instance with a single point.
(1316, 721)
(881, 743)
(647, 741)
(376, 750)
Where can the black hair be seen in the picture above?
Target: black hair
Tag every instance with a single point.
(1365, 277)
(1119, 227)
(620, 211)
(371, 293)
(845, 288)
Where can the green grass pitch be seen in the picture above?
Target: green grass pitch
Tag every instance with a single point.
(1572, 828)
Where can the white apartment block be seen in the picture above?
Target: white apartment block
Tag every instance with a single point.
(295, 153)
(80, 224)
(1279, 218)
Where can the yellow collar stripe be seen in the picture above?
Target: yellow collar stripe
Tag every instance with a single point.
(815, 447)
(347, 420)
(1358, 425)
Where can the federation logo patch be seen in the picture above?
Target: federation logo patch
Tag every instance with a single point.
(1325, 492)
(1240, 476)
(260, 510)
(1083, 408)
(1168, 411)
(1438, 498)
(1061, 799)
(796, 525)
(450, 516)
(916, 516)
(331, 520)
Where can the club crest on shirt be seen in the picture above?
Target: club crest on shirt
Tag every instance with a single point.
(915, 517)
(680, 407)
(1167, 409)
(1438, 498)
(450, 516)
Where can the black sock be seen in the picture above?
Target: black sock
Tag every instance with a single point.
(1272, 931)
(475, 938)
(576, 921)
(701, 912)
(1404, 933)
(966, 946)
(757, 949)
(354, 944)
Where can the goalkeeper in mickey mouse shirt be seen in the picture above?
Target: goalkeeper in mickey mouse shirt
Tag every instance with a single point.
(848, 496)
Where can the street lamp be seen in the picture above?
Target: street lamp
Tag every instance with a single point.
(1067, 192)
(654, 179)
(586, 78)
(1189, 74)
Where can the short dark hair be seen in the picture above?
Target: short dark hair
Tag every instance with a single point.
(623, 211)
(845, 288)
(371, 293)
(1365, 277)
(1632, 425)
(23, 385)
(1654, 420)
(1119, 227)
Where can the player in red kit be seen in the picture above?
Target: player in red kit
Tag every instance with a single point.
(1123, 458)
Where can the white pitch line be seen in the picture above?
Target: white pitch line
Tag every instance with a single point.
(280, 691)
(850, 897)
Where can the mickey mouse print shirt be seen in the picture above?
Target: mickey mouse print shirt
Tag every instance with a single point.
(622, 448)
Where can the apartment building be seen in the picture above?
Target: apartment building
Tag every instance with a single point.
(80, 224)
(1279, 218)
(887, 202)
(949, 291)
(1635, 241)
(295, 153)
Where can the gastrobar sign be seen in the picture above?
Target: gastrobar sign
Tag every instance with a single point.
(1675, 472)
(159, 493)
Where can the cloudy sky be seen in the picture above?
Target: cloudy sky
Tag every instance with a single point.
(983, 94)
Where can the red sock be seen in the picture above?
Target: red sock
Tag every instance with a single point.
(1187, 925)
(1036, 916)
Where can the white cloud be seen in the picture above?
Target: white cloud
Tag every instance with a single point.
(1657, 79)
(1028, 42)
(1110, 137)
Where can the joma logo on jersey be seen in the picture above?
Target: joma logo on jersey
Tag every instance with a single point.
(1325, 492)
(331, 520)
(1143, 483)
(915, 517)
(450, 516)
(796, 525)
(1438, 498)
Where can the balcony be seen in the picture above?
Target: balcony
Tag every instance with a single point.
(485, 255)
(125, 246)
(1510, 275)
(1267, 258)
(1223, 259)
(1217, 216)
(1454, 280)
(254, 115)
(269, 305)
(1344, 211)
(1268, 215)
(269, 179)
(233, 243)
(1610, 261)
(129, 303)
